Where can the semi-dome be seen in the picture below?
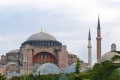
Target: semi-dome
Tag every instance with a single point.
(9, 63)
(73, 64)
(48, 68)
(69, 69)
(108, 56)
(41, 36)
(14, 51)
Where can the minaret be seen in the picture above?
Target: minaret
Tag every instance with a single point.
(89, 50)
(98, 38)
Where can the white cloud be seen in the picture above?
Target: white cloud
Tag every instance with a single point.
(85, 10)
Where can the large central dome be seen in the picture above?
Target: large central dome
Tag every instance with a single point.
(41, 36)
(42, 39)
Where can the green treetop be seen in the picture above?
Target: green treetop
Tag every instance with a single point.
(77, 67)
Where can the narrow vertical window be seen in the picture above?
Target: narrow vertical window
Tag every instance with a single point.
(41, 56)
(45, 56)
(8, 68)
(13, 68)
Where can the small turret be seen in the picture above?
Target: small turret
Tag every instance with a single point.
(3, 57)
(113, 47)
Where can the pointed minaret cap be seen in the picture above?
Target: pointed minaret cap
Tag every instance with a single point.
(98, 26)
(89, 36)
(41, 31)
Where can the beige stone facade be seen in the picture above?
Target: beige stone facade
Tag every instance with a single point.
(72, 59)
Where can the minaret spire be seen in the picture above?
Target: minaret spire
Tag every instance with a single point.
(89, 50)
(89, 36)
(98, 38)
(98, 26)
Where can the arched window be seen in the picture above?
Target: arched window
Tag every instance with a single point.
(37, 42)
(41, 43)
(51, 43)
(31, 42)
(45, 56)
(16, 68)
(36, 57)
(14, 56)
(41, 56)
(12, 67)
(8, 68)
(45, 43)
(25, 53)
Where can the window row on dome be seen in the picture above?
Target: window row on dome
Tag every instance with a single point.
(43, 56)
(72, 56)
(11, 54)
(42, 62)
(42, 43)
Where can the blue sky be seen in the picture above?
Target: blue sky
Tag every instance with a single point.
(67, 20)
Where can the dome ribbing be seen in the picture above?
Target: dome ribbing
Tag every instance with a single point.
(41, 36)
(48, 68)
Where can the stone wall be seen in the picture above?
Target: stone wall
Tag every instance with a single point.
(63, 57)
(3, 70)
(26, 70)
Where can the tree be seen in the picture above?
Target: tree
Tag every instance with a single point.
(2, 77)
(62, 77)
(15, 78)
(77, 67)
(102, 71)
(115, 75)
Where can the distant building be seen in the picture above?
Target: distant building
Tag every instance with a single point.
(110, 55)
(72, 59)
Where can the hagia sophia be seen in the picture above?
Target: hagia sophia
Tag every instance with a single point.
(41, 50)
